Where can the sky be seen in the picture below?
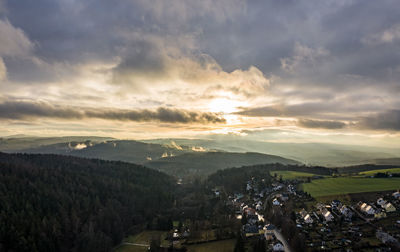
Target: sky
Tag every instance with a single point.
(285, 71)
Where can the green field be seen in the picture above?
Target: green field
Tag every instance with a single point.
(346, 185)
(373, 172)
(291, 174)
(220, 246)
(142, 238)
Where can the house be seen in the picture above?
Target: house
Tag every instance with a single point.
(336, 204)
(275, 202)
(346, 212)
(396, 195)
(381, 202)
(248, 187)
(250, 212)
(278, 247)
(258, 207)
(269, 228)
(303, 213)
(269, 232)
(250, 230)
(389, 207)
(379, 214)
(238, 196)
(385, 237)
(327, 215)
(367, 209)
(284, 197)
(308, 219)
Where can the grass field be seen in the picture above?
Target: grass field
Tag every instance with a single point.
(372, 172)
(346, 185)
(142, 238)
(291, 174)
(220, 246)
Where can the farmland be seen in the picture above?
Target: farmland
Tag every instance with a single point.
(346, 185)
(372, 172)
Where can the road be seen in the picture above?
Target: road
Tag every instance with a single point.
(135, 244)
(280, 237)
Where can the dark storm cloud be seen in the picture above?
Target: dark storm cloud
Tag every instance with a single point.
(37, 110)
(261, 34)
(389, 120)
(318, 124)
(335, 48)
(304, 109)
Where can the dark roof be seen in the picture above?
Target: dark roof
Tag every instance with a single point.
(270, 227)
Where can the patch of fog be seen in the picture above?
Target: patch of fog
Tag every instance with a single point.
(79, 146)
(165, 155)
(198, 148)
(176, 146)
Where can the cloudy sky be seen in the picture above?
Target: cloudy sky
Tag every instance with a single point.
(300, 70)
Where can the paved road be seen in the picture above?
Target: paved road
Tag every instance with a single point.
(135, 244)
(280, 237)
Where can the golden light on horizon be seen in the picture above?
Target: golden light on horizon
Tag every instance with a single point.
(225, 105)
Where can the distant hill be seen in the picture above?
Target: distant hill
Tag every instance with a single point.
(325, 154)
(170, 157)
(118, 150)
(204, 163)
(384, 161)
(21, 142)
(61, 203)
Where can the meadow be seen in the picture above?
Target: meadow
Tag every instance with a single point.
(373, 172)
(144, 238)
(346, 185)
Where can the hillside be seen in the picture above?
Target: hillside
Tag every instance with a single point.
(204, 163)
(384, 161)
(118, 150)
(21, 142)
(60, 203)
(309, 153)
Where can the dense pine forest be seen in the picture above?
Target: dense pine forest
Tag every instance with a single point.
(59, 203)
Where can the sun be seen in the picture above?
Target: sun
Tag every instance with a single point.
(224, 105)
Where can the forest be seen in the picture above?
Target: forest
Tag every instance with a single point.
(59, 203)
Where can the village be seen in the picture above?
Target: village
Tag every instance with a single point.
(287, 219)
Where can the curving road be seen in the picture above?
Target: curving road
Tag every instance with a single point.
(280, 237)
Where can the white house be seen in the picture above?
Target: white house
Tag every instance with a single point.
(308, 219)
(367, 209)
(396, 195)
(278, 247)
(327, 215)
(258, 207)
(389, 207)
(381, 202)
(275, 202)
